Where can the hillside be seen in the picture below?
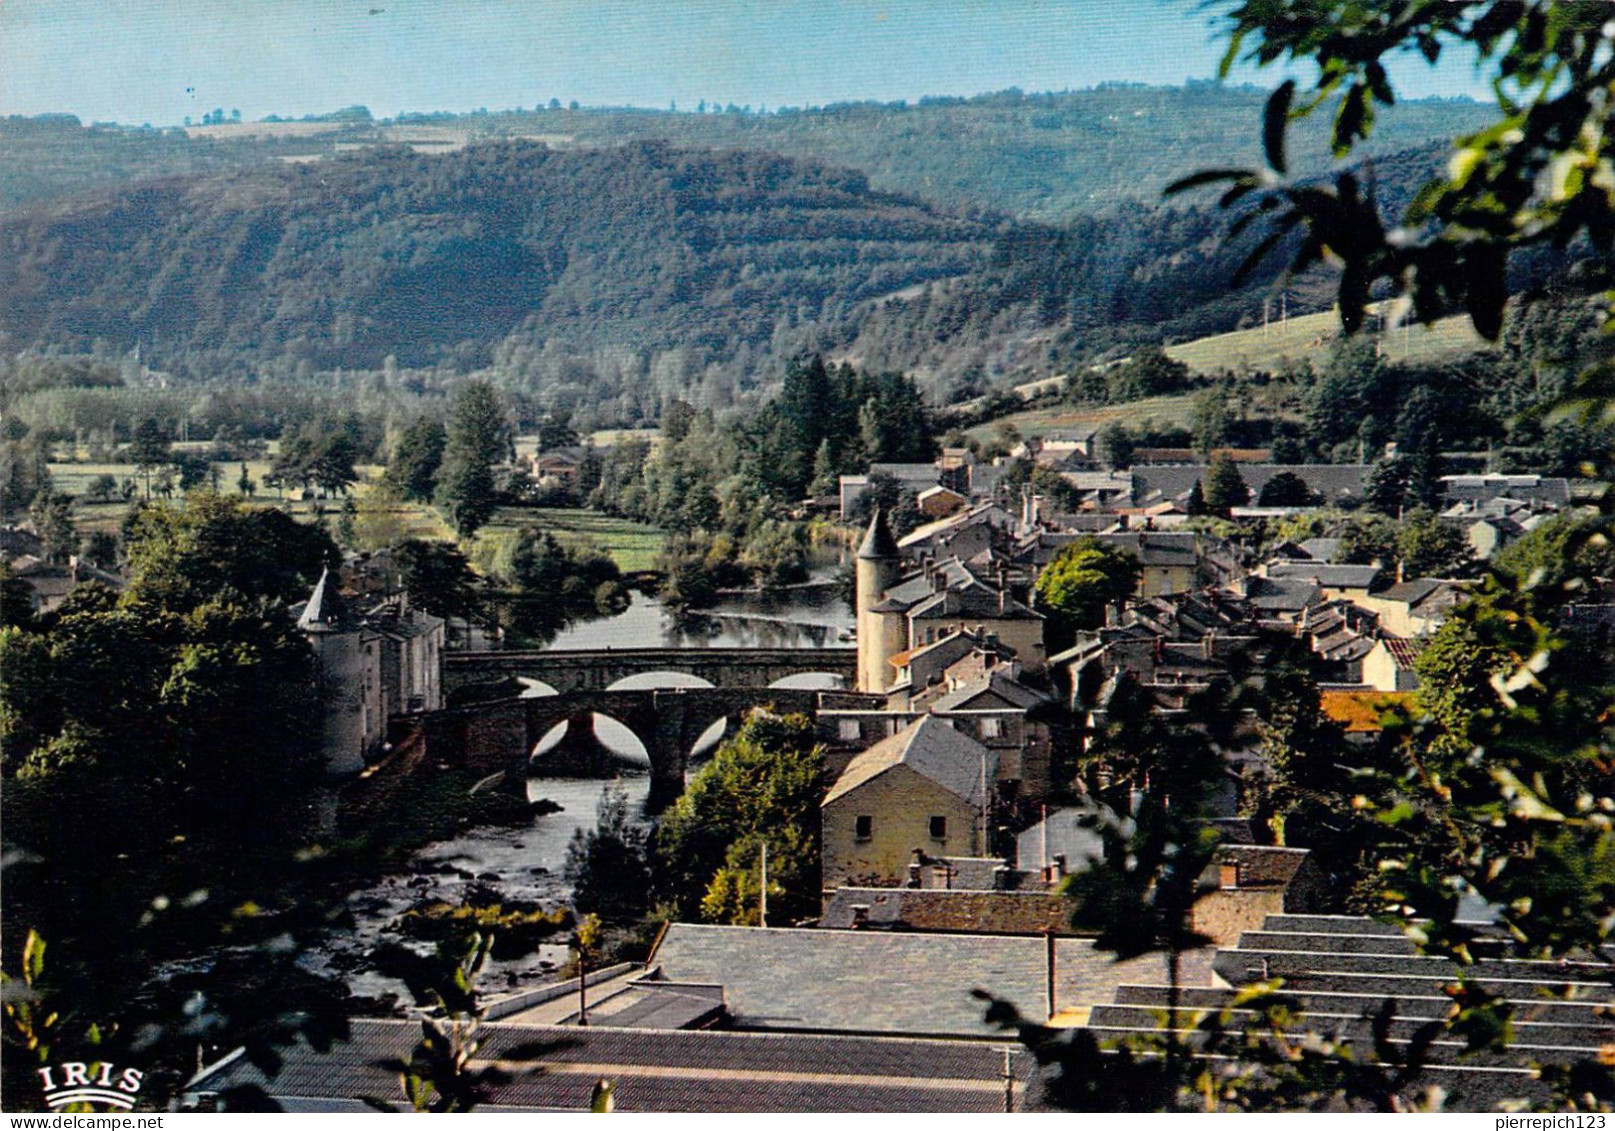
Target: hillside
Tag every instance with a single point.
(507, 247)
(1046, 157)
(609, 279)
(1310, 338)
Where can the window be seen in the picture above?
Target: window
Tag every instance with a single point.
(939, 828)
(850, 730)
(992, 728)
(863, 827)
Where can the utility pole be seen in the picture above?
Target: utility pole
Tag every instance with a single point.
(762, 915)
(982, 850)
(583, 999)
(583, 979)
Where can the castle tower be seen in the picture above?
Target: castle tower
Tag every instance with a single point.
(877, 570)
(347, 670)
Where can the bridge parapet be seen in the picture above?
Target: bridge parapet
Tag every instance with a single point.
(596, 670)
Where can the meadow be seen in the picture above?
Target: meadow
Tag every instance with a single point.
(1169, 411)
(1310, 338)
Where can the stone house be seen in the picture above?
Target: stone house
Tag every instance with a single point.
(923, 788)
(1413, 608)
(1388, 665)
(1170, 561)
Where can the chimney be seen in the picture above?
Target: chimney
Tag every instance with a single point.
(939, 580)
(860, 916)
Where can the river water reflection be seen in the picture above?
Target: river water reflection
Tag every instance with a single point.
(525, 863)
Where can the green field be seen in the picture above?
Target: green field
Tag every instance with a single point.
(382, 521)
(632, 545)
(75, 478)
(1164, 411)
(1311, 337)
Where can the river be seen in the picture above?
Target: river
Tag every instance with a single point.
(525, 863)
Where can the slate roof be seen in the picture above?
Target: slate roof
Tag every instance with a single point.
(908, 472)
(1322, 549)
(891, 981)
(15, 542)
(966, 912)
(971, 600)
(918, 586)
(997, 685)
(1535, 488)
(950, 649)
(324, 610)
(1342, 971)
(930, 747)
(1155, 549)
(1282, 595)
(1411, 592)
(1068, 836)
(984, 514)
(1329, 576)
(658, 1071)
(1335, 481)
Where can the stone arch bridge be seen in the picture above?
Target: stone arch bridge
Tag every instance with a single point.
(597, 670)
(499, 735)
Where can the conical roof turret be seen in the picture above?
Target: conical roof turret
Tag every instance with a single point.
(323, 613)
(879, 545)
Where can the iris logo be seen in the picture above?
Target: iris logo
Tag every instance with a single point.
(101, 1083)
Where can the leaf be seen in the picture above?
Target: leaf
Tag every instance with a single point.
(1231, 56)
(33, 957)
(1206, 177)
(1379, 84)
(1354, 119)
(1275, 119)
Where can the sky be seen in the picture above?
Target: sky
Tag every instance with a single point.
(160, 61)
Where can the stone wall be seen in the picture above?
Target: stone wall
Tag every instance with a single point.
(901, 803)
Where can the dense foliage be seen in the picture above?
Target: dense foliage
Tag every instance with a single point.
(764, 785)
(1086, 579)
(1042, 156)
(160, 765)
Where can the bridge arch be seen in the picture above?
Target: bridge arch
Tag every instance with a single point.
(587, 743)
(660, 680)
(534, 688)
(810, 681)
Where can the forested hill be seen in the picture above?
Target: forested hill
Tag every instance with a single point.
(1046, 157)
(444, 259)
(606, 277)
